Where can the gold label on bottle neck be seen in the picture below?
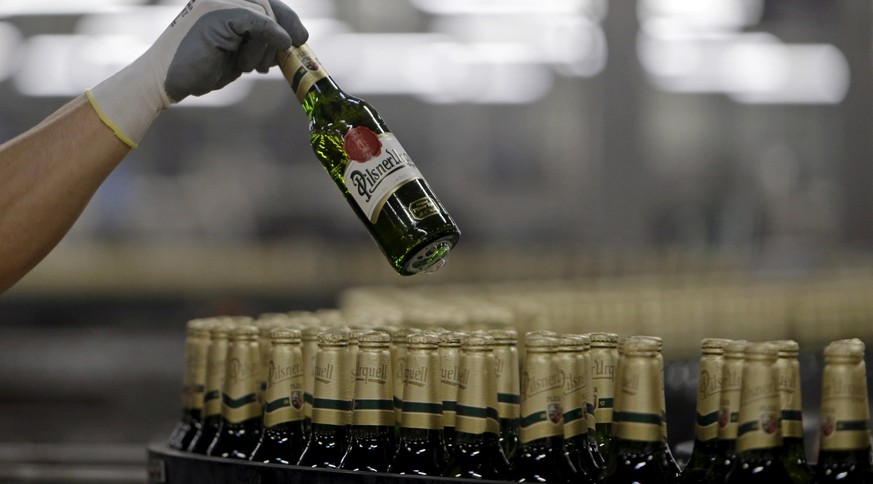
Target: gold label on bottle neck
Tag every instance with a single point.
(310, 349)
(329, 403)
(729, 408)
(507, 382)
(217, 355)
(374, 389)
(760, 408)
(573, 389)
(708, 398)
(541, 412)
(788, 374)
(603, 383)
(422, 406)
(283, 398)
(195, 386)
(638, 413)
(844, 408)
(449, 374)
(473, 398)
(301, 69)
(240, 396)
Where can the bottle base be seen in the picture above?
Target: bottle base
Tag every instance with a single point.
(430, 257)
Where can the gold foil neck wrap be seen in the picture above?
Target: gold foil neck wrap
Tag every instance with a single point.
(541, 410)
(330, 405)
(708, 396)
(242, 370)
(731, 389)
(760, 407)
(374, 388)
(283, 397)
(603, 364)
(638, 411)
(215, 367)
(473, 399)
(301, 69)
(422, 401)
(506, 376)
(844, 401)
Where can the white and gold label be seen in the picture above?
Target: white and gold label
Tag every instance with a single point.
(708, 398)
(374, 389)
(301, 69)
(844, 412)
(542, 414)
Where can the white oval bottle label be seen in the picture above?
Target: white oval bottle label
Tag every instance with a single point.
(377, 167)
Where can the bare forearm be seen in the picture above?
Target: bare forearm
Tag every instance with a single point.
(47, 177)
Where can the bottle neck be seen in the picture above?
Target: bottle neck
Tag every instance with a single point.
(844, 407)
(708, 395)
(240, 400)
(283, 398)
(638, 414)
(731, 390)
(304, 72)
(541, 413)
(759, 428)
(373, 402)
(422, 403)
(507, 381)
(329, 405)
(603, 365)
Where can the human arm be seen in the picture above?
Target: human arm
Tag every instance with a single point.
(49, 173)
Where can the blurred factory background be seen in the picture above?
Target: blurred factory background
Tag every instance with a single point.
(570, 140)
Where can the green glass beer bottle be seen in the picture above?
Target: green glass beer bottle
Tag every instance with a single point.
(574, 383)
(668, 453)
(705, 453)
(729, 408)
(371, 168)
(282, 437)
(477, 453)
(193, 384)
(541, 456)
(450, 358)
(215, 361)
(844, 442)
(310, 349)
(398, 364)
(241, 409)
(508, 387)
(604, 356)
(759, 436)
(371, 437)
(421, 449)
(330, 409)
(638, 452)
(791, 422)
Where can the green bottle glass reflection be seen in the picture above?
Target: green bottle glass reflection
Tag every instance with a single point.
(241, 409)
(371, 169)
(282, 437)
(638, 453)
(759, 435)
(193, 384)
(793, 448)
(844, 444)
(705, 453)
(574, 386)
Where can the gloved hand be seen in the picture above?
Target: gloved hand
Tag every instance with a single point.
(208, 45)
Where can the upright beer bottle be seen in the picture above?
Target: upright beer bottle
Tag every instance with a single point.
(421, 448)
(371, 168)
(327, 440)
(216, 355)
(604, 356)
(729, 408)
(508, 387)
(398, 364)
(638, 453)
(310, 349)
(573, 389)
(541, 456)
(476, 453)
(282, 438)
(450, 356)
(706, 452)
(759, 437)
(791, 422)
(844, 444)
(240, 407)
(193, 384)
(668, 454)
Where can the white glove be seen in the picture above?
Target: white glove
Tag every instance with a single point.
(210, 44)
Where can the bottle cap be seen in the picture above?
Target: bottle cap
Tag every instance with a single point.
(762, 352)
(478, 341)
(245, 332)
(640, 346)
(423, 340)
(787, 348)
(504, 336)
(285, 335)
(603, 340)
(713, 346)
(374, 339)
(451, 338)
(735, 348)
(333, 337)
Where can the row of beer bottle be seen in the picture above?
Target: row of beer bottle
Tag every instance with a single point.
(566, 405)
(749, 418)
